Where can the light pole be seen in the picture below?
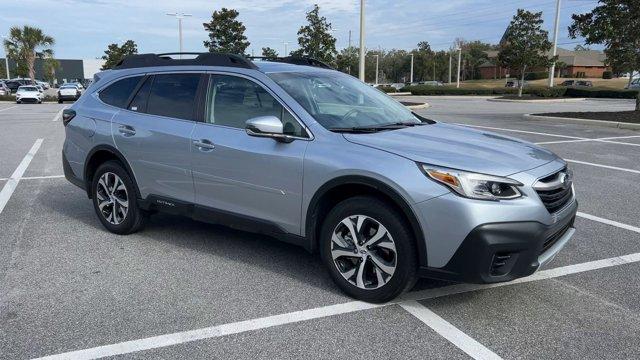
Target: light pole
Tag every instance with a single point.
(179, 16)
(377, 61)
(459, 64)
(411, 78)
(6, 58)
(449, 65)
(361, 64)
(285, 43)
(555, 44)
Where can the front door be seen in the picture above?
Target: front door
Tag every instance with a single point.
(258, 178)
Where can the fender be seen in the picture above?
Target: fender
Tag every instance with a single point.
(376, 185)
(118, 155)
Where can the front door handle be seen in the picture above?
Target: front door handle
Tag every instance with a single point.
(204, 144)
(126, 130)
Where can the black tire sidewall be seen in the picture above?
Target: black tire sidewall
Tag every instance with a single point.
(131, 221)
(406, 265)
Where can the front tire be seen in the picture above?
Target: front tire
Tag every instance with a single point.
(368, 249)
(115, 200)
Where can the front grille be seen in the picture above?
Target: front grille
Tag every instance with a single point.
(551, 240)
(553, 191)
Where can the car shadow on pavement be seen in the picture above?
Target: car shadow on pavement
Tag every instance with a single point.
(217, 241)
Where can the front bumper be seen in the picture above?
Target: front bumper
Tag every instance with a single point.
(68, 97)
(497, 252)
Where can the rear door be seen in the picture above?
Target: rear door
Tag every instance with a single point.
(257, 178)
(154, 134)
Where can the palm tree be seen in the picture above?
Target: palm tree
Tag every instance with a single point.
(23, 45)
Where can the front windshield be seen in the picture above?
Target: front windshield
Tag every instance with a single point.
(339, 100)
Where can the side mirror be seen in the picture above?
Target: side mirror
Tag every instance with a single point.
(267, 126)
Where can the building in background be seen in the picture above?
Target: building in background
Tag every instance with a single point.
(69, 70)
(578, 64)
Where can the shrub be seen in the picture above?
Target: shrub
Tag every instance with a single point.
(607, 75)
(602, 93)
(546, 92)
(536, 75)
(387, 89)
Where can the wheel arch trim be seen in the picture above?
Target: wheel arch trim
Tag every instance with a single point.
(310, 224)
(118, 155)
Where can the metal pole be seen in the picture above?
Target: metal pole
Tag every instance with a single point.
(377, 61)
(459, 65)
(179, 16)
(449, 66)
(434, 69)
(361, 64)
(180, 35)
(555, 43)
(349, 38)
(411, 78)
(285, 43)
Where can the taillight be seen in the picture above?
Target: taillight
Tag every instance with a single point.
(67, 115)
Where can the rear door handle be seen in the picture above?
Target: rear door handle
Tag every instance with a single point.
(204, 144)
(126, 130)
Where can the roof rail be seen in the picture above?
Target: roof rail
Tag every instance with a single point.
(206, 59)
(295, 60)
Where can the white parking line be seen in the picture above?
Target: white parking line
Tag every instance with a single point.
(11, 185)
(58, 114)
(321, 312)
(463, 341)
(609, 222)
(605, 139)
(10, 107)
(37, 177)
(604, 166)
(524, 132)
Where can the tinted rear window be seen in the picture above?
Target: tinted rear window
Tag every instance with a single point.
(174, 95)
(118, 93)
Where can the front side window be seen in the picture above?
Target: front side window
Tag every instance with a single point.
(117, 93)
(174, 95)
(338, 100)
(232, 100)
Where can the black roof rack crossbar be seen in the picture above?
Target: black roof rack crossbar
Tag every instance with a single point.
(295, 60)
(206, 59)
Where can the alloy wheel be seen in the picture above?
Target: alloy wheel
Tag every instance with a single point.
(364, 252)
(113, 199)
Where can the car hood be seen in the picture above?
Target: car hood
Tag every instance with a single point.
(458, 147)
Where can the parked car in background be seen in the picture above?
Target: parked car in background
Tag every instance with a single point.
(68, 92)
(635, 84)
(431, 83)
(39, 87)
(4, 89)
(45, 85)
(12, 85)
(568, 83)
(382, 193)
(585, 83)
(514, 84)
(29, 93)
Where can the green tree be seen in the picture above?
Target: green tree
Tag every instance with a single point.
(49, 67)
(114, 53)
(616, 24)
(226, 33)
(347, 60)
(23, 44)
(269, 53)
(315, 39)
(525, 44)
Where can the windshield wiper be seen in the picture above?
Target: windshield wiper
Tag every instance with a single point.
(371, 129)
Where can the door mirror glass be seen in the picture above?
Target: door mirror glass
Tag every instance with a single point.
(267, 126)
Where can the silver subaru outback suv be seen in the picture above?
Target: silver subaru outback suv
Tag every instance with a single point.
(295, 150)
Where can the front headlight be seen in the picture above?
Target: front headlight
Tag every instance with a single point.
(473, 185)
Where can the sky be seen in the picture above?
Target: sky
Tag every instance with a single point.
(83, 28)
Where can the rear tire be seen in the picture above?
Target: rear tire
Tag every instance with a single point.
(115, 199)
(60, 101)
(382, 263)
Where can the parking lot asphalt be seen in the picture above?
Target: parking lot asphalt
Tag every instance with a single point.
(183, 289)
